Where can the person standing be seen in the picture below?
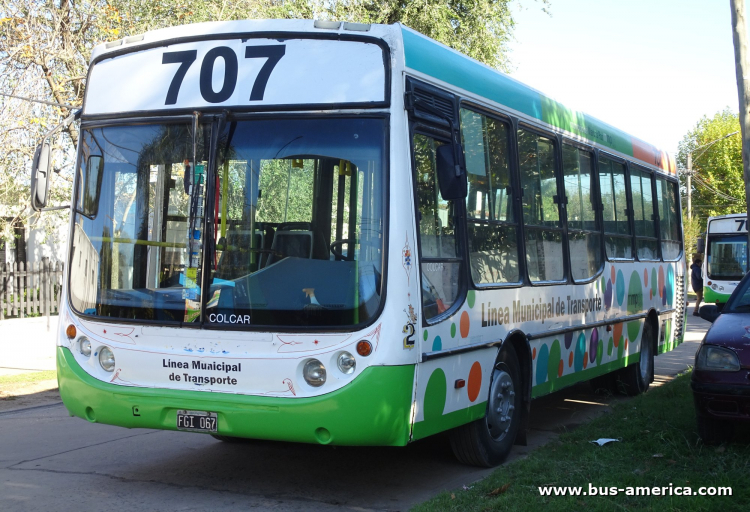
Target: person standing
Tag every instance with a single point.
(696, 280)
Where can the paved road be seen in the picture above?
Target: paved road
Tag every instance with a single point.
(49, 461)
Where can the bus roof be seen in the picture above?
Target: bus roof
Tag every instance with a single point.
(431, 58)
(439, 61)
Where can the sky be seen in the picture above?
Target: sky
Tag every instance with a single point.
(652, 68)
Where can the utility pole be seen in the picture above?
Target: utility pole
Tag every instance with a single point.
(739, 36)
(690, 186)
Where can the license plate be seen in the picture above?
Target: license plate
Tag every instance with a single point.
(197, 421)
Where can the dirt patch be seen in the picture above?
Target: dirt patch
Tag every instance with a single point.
(14, 396)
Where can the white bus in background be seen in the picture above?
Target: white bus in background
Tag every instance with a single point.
(725, 258)
(351, 234)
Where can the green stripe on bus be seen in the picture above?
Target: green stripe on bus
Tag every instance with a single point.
(433, 59)
(448, 421)
(585, 126)
(713, 297)
(373, 409)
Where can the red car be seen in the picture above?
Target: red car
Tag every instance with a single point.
(721, 377)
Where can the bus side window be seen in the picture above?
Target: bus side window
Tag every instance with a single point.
(584, 233)
(617, 235)
(644, 217)
(492, 227)
(439, 260)
(669, 216)
(541, 211)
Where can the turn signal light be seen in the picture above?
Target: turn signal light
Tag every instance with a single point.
(364, 348)
(70, 332)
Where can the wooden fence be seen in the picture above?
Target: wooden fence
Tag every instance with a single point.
(30, 289)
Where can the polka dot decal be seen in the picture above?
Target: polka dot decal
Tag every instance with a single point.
(635, 294)
(568, 340)
(465, 324)
(475, 381)
(541, 365)
(425, 335)
(593, 345)
(610, 345)
(471, 298)
(555, 362)
(620, 287)
(608, 295)
(669, 292)
(437, 344)
(434, 395)
(580, 352)
(661, 282)
(453, 330)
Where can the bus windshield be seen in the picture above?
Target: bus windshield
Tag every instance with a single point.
(284, 229)
(727, 257)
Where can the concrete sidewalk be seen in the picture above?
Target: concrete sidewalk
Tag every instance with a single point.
(26, 345)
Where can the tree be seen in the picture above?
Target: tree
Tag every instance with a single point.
(718, 186)
(45, 47)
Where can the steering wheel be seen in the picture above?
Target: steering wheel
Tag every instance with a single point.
(336, 248)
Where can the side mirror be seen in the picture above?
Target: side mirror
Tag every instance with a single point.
(710, 313)
(40, 175)
(700, 245)
(450, 174)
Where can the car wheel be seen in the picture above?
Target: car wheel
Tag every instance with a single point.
(487, 441)
(713, 431)
(635, 379)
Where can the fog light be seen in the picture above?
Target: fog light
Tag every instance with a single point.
(106, 359)
(346, 363)
(84, 345)
(314, 373)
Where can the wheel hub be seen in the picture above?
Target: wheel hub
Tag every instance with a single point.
(645, 362)
(500, 406)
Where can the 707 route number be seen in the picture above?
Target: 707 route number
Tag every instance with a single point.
(185, 59)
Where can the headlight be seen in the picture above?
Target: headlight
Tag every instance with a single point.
(106, 359)
(84, 345)
(346, 363)
(717, 359)
(314, 373)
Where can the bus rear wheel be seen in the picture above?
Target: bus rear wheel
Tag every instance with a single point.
(486, 442)
(635, 379)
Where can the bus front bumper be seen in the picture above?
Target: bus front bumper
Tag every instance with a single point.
(713, 297)
(374, 409)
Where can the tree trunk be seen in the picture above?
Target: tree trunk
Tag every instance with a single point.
(739, 35)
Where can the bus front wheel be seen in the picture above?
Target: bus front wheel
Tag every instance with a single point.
(487, 441)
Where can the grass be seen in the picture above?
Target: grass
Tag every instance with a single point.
(27, 378)
(659, 446)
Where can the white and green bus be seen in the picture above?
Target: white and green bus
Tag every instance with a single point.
(725, 258)
(351, 234)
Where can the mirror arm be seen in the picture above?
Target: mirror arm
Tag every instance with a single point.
(75, 115)
(51, 208)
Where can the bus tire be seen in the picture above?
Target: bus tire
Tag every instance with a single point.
(486, 442)
(635, 379)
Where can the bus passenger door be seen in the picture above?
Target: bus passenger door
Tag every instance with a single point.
(440, 262)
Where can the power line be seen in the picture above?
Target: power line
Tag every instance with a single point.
(52, 103)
